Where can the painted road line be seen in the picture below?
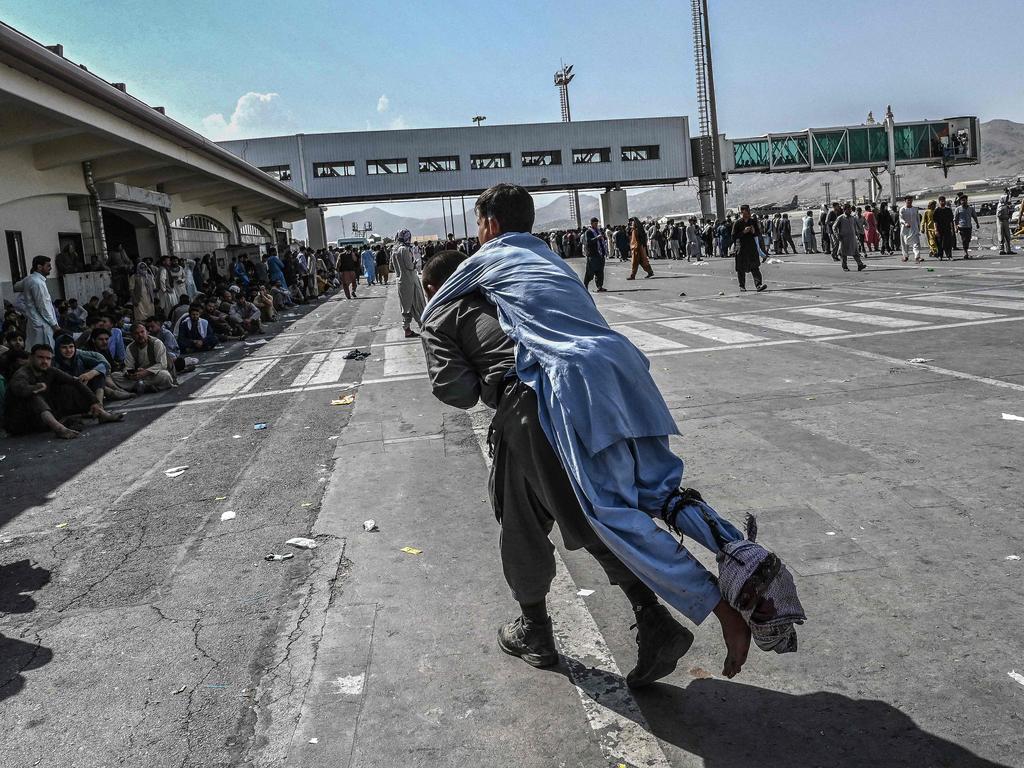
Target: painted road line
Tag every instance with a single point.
(1001, 293)
(241, 378)
(882, 321)
(629, 308)
(396, 335)
(722, 335)
(309, 369)
(401, 360)
(617, 721)
(331, 368)
(972, 301)
(953, 314)
(648, 342)
(787, 326)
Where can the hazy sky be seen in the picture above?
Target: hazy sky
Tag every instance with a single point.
(239, 68)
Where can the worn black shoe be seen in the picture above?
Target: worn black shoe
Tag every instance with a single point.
(661, 642)
(531, 641)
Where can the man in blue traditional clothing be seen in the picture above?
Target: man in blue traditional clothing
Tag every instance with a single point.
(579, 437)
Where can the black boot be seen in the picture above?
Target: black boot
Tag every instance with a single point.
(530, 640)
(661, 641)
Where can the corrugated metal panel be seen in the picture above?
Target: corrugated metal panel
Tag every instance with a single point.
(669, 134)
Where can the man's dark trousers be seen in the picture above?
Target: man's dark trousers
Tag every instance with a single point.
(530, 491)
(595, 271)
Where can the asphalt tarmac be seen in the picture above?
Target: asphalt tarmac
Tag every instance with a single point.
(867, 418)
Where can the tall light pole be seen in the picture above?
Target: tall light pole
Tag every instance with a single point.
(563, 77)
(478, 119)
(706, 97)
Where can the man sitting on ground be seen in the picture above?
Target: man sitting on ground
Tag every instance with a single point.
(195, 333)
(147, 363)
(246, 314)
(223, 325)
(88, 367)
(42, 397)
(178, 362)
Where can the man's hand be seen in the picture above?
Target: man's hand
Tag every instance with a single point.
(39, 388)
(736, 634)
(198, 343)
(88, 375)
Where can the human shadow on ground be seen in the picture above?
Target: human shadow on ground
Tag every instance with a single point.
(729, 725)
(17, 581)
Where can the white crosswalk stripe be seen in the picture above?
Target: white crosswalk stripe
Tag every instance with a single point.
(401, 359)
(648, 342)
(309, 370)
(787, 326)
(721, 335)
(242, 378)
(1003, 293)
(396, 334)
(331, 368)
(881, 321)
(948, 312)
(629, 308)
(1017, 306)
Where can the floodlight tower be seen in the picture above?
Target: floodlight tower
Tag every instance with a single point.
(563, 77)
(708, 111)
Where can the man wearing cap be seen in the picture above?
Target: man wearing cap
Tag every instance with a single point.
(595, 245)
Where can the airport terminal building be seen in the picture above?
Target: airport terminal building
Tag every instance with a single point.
(86, 166)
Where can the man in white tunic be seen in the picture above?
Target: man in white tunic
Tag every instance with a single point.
(910, 229)
(37, 306)
(410, 292)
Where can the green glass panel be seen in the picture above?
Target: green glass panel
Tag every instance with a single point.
(912, 141)
(751, 154)
(878, 145)
(789, 150)
(858, 138)
(830, 148)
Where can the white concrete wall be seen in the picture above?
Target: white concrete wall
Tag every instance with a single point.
(39, 219)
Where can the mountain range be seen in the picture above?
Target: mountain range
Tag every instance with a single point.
(1002, 154)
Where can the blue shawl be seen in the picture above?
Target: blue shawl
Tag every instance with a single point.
(601, 410)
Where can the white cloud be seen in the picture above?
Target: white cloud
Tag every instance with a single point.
(255, 114)
(383, 103)
(398, 124)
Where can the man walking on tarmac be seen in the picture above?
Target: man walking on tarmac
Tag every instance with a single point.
(595, 248)
(514, 326)
(845, 231)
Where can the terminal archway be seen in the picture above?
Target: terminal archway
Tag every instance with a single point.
(198, 234)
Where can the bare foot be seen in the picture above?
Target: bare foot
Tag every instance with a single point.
(106, 417)
(67, 434)
(736, 634)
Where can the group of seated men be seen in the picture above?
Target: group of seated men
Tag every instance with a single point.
(91, 363)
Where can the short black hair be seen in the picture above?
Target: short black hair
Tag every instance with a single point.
(37, 347)
(39, 261)
(508, 204)
(442, 266)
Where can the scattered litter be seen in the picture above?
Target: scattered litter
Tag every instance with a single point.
(219, 498)
(774, 261)
(259, 426)
(682, 294)
(356, 354)
(1017, 676)
(307, 504)
(346, 400)
(255, 343)
(229, 515)
(919, 360)
(412, 551)
(1011, 417)
(700, 673)
(272, 557)
(812, 398)
(235, 437)
(175, 471)
(370, 526)
(1012, 557)
(314, 740)
(334, 437)
(585, 592)
(721, 293)
(830, 533)
(180, 690)
(3, 457)
(61, 525)
(301, 543)
(931, 269)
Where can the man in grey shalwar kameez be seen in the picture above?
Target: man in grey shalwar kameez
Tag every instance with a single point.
(37, 306)
(410, 292)
(845, 230)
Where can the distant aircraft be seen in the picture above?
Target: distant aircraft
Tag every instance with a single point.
(779, 207)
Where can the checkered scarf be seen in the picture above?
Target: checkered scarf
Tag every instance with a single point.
(758, 585)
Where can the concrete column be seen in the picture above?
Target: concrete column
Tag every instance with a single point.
(316, 227)
(614, 207)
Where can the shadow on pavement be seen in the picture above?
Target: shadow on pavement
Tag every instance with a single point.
(17, 581)
(730, 724)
